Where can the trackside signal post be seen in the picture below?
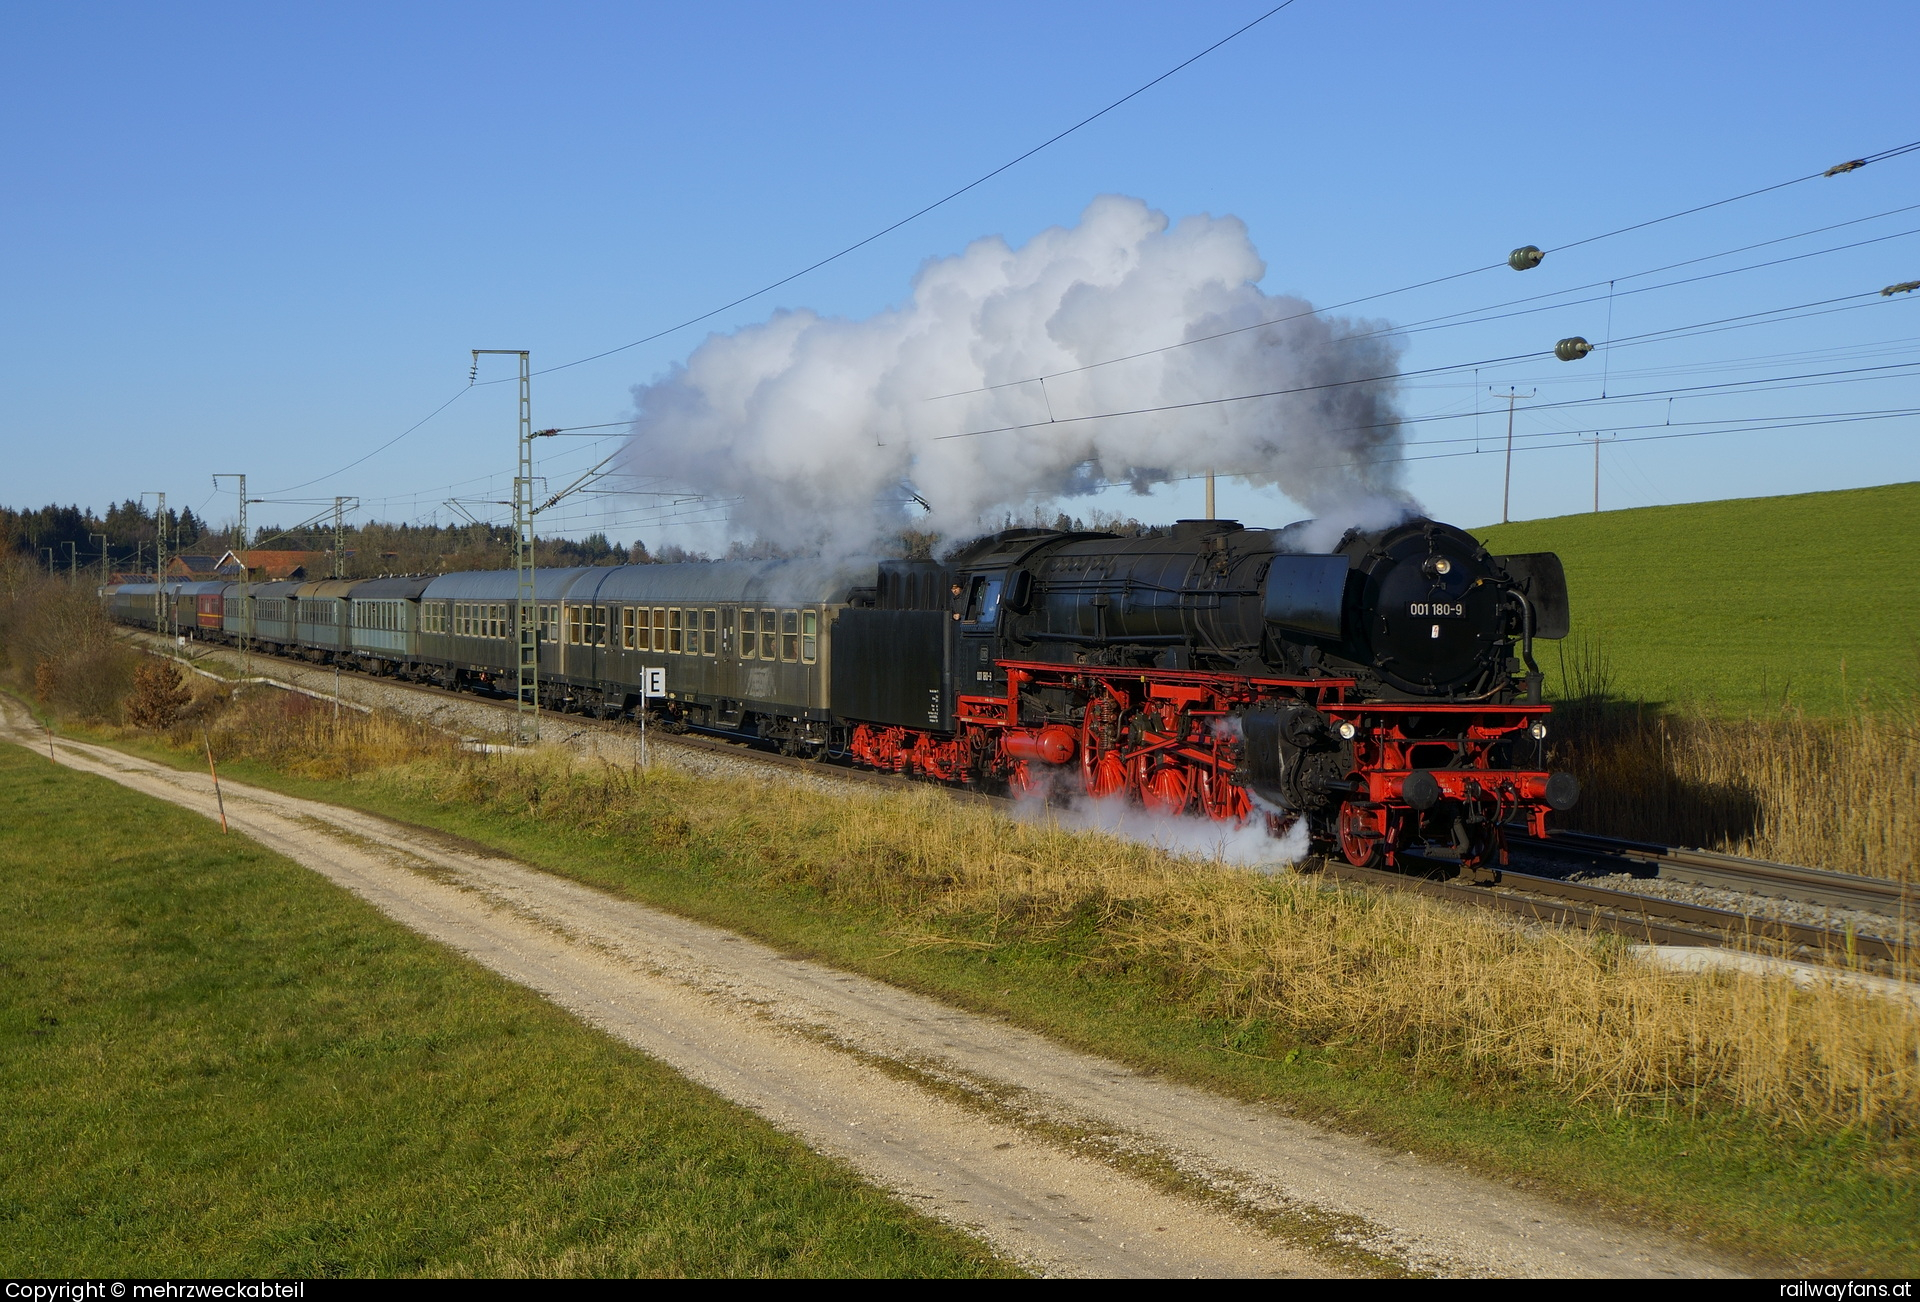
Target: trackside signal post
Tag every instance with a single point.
(527, 693)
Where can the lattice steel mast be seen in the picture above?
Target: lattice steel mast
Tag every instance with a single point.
(159, 563)
(527, 693)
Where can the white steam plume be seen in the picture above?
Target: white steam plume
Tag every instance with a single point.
(823, 425)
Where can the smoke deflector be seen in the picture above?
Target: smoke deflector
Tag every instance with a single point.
(1305, 593)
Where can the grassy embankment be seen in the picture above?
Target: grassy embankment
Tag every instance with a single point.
(1744, 675)
(1774, 1121)
(217, 1063)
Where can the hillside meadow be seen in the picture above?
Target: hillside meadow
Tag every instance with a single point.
(1810, 601)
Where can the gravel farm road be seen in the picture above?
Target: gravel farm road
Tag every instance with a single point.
(1061, 1161)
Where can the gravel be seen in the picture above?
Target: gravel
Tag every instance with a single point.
(1864, 922)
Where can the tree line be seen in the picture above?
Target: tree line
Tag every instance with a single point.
(59, 538)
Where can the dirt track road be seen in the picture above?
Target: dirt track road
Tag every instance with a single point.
(1067, 1163)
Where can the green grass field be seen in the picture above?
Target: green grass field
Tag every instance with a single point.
(1738, 606)
(217, 1063)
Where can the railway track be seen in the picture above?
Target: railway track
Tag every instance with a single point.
(1537, 888)
(1645, 919)
(1583, 851)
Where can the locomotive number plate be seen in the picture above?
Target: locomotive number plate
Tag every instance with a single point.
(1437, 609)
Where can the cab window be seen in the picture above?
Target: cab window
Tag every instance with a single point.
(983, 600)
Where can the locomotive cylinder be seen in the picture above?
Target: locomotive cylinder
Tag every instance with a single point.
(1050, 745)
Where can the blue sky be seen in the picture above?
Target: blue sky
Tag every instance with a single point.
(264, 238)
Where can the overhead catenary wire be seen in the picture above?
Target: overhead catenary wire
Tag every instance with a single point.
(1726, 425)
(1849, 166)
(937, 203)
(1353, 302)
(830, 258)
(1771, 316)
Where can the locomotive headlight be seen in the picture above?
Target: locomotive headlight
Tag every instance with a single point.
(1537, 730)
(1347, 731)
(1437, 566)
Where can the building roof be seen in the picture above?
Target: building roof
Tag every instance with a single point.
(183, 565)
(273, 564)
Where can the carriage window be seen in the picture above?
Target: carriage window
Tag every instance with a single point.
(769, 634)
(573, 625)
(809, 636)
(626, 628)
(709, 632)
(659, 629)
(674, 643)
(789, 635)
(749, 634)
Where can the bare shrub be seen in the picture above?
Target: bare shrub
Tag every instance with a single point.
(55, 638)
(158, 694)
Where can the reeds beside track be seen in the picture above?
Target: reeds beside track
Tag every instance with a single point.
(1840, 792)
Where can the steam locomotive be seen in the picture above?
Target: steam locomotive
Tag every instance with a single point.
(1386, 691)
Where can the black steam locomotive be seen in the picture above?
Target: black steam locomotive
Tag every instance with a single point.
(1385, 692)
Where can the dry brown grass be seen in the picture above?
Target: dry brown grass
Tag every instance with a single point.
(1839, 793)
(301, 736)
(1448, 992)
